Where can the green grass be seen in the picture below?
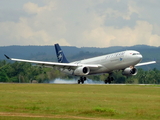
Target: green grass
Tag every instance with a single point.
(72, 102)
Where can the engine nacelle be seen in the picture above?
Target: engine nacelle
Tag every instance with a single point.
(130, 71)
(81, 71)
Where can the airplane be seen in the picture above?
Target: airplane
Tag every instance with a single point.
(127, 61)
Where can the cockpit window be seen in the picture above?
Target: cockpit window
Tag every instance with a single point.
(136, 54)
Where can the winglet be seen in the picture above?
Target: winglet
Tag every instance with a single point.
(7, 56)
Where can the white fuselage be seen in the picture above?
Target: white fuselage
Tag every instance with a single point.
(110, 62)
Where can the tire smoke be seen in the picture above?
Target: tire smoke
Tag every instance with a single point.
(73, 81)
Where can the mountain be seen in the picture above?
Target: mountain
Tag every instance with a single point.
(47, 53)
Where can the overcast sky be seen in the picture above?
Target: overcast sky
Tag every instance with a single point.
(81, 23)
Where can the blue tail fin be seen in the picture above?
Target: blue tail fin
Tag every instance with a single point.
(60, 55)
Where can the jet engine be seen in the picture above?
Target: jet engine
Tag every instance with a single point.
(130, 71)
(81, 71)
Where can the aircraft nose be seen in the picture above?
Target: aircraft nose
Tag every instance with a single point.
(139, 57)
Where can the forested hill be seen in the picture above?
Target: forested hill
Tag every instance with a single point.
(47, 53)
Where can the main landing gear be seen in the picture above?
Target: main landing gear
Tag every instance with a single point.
(109, 79)
(81, 80)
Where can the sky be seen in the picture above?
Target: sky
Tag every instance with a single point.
(81, 23)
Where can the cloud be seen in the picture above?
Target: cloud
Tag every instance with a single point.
(33, 8)
(111, 36)
(91, 23)
(34, 30)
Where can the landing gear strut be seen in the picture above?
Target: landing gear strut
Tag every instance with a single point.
(81, 80)
(109, 79)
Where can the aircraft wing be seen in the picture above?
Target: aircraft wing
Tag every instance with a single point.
(55, 64)
(146, 63)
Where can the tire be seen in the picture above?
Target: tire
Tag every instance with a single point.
(106, 81)
(111, 79)
(79, 81)
(82, 81)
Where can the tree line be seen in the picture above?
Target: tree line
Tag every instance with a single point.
(21, 72)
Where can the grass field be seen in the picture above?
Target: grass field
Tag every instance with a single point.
(79, 102)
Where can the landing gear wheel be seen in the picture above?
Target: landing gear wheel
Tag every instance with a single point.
(111, 78)
(82, 81)
(108, 80)
(79, 81)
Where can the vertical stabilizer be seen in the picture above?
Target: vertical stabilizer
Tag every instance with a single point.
(60, 55)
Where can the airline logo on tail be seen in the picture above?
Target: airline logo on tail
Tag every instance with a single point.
(60, 56)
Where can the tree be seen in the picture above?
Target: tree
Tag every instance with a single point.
(3, 76)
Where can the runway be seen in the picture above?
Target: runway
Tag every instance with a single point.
(88, 82)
